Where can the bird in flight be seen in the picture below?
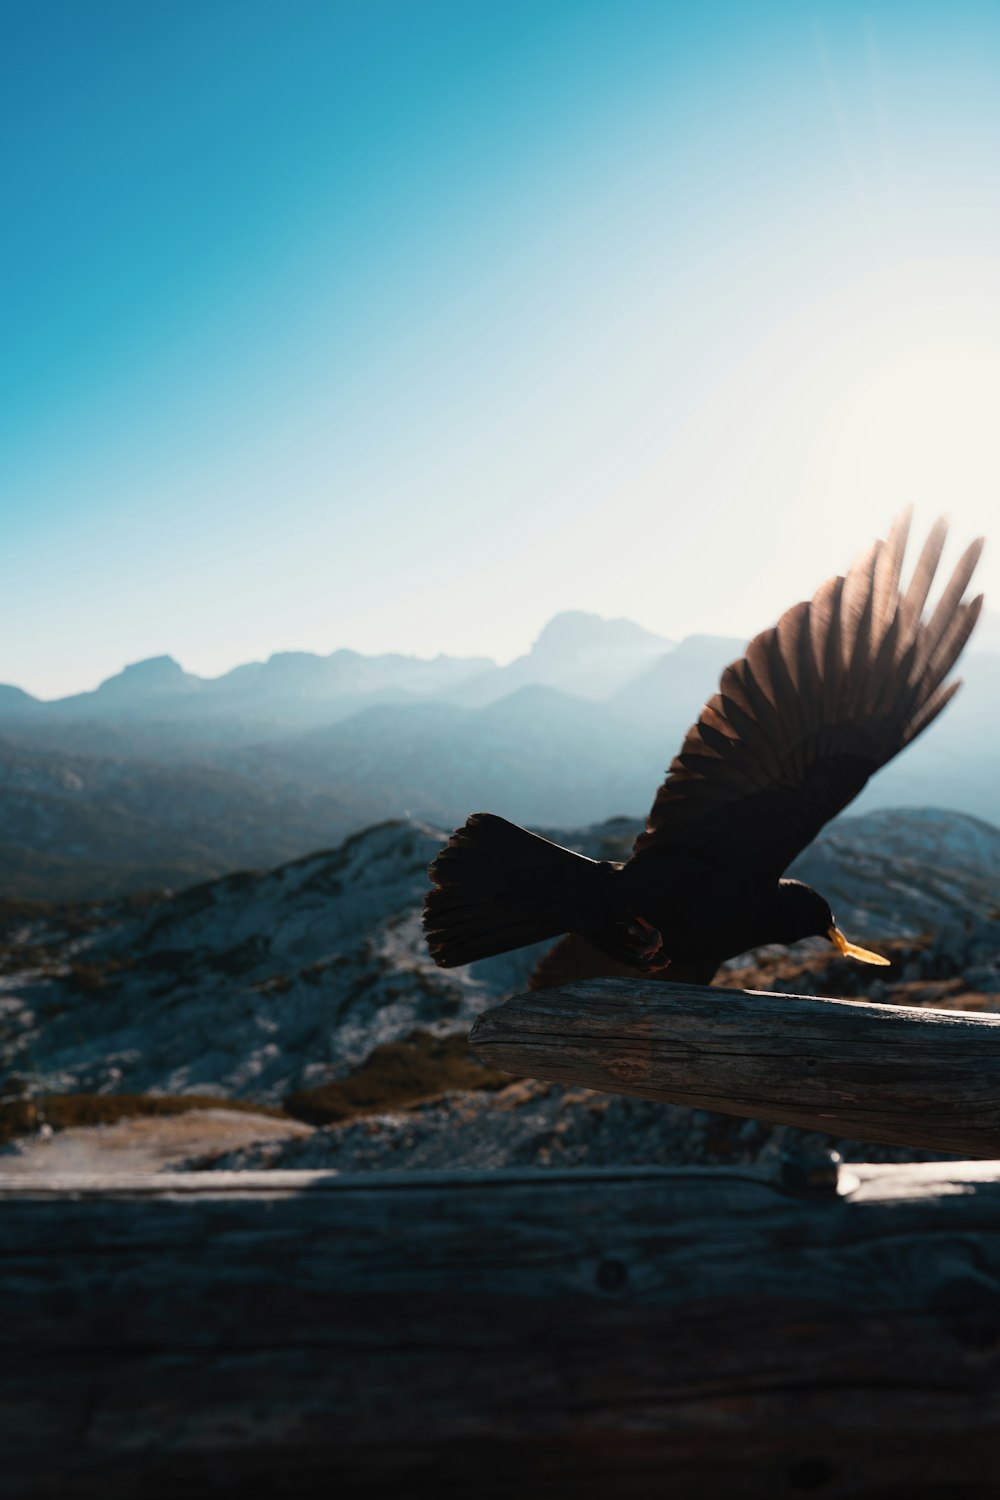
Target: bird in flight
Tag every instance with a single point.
(819, 702)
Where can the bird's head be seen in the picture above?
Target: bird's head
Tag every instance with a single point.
(805, 913)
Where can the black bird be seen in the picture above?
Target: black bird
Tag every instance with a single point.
(819, 702)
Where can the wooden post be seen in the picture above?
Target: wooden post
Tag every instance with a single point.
(692, 1333)
(887, 1073)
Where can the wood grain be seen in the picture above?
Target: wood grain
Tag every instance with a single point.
(693, 1332)
(886, 1073)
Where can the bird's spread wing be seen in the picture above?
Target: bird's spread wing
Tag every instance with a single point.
(837, 688)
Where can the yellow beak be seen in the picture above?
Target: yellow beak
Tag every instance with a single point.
(851, 950)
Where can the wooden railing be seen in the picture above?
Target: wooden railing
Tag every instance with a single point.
(698, 1332)
(733, 1332)
(880, 1073)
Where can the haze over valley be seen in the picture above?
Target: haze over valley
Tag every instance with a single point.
(163, 778)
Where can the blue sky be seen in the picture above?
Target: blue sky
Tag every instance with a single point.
(403, 326)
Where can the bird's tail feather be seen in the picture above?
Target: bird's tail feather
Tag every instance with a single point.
(498, 887)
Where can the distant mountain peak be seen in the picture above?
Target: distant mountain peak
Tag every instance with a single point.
(579, 653)
(577, 630)
(154, 675)
(345, 671)
(14, 699)
(710, 645)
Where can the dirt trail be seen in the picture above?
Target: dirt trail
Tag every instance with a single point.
(143, 1145)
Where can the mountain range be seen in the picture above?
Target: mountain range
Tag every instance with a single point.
(161, 778)
(579, 653)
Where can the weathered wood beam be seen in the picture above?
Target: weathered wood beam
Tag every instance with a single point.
(886, 1073)
(691, 1333)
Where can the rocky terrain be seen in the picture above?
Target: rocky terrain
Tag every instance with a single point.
(308, 989)
(249, 986)
(529, 1122)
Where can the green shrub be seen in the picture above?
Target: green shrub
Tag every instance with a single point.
(394, 1075)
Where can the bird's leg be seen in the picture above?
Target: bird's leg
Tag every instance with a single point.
(641, 931)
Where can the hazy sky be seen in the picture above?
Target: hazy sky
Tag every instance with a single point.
(404, 326)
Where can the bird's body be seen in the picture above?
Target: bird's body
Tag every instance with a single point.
(683, 901)
(818, 703)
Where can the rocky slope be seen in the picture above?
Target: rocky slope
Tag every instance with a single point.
(898, 872)
(251, 985)
(254, 986)
(544, 1124)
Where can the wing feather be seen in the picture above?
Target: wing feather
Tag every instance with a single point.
(819, 703)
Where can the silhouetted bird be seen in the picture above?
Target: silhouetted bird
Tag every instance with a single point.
(837, 688)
